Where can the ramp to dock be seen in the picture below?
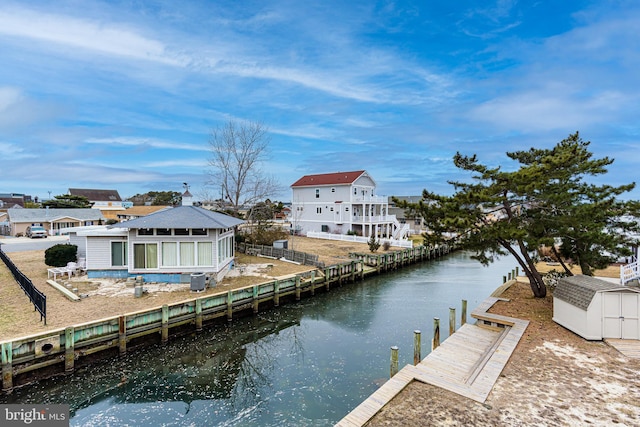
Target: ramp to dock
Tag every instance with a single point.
(467, 363)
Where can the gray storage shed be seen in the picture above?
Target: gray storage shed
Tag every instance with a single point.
(597, 309)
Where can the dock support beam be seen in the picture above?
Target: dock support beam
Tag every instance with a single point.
(436, 333)
(7, 366)
(198, 315)
(416, 347)
(394, 361)
(122, 334)
(463, 316)
(69, 354)
(165, 323)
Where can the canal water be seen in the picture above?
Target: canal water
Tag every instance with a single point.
(304, 364)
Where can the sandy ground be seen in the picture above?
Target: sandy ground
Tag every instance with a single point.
(554, 378)
(107, 298)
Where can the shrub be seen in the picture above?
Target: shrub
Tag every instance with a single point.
(352, 233)
(373, 243)
(60, 255)
(266, 236)
(386, 245)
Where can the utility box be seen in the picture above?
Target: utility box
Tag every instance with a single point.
(198, 282)
(281, 244)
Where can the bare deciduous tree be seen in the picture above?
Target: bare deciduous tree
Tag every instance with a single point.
(238, 150)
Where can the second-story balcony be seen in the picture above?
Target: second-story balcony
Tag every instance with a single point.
(372, 219)
(359, 198)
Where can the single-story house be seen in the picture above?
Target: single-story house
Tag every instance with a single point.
(53, 220)
(596, 309)
(165, 246)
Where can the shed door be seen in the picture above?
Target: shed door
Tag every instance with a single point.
(621, 315)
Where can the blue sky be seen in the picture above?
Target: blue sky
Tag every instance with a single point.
(124, 94)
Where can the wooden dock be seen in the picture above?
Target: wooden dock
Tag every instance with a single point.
(467, 363)
(629, 348)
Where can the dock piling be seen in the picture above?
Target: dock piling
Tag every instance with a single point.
(394, 360)
(436, 333)
(416, 347)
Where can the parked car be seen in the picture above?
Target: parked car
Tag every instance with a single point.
(34, 231)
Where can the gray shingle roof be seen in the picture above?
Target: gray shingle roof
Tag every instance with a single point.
(579, 290)
(96, 195)
(47, 215)
(182, 217)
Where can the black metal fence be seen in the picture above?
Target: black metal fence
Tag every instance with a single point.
(301, 257)
(38, 299)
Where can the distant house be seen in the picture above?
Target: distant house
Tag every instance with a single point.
(342, 202)
(135, 212)
(107, 201)
(165, 246)
(53, 220)
(415, 223)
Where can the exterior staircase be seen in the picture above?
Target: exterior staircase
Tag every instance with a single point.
(629, 272)
(400, 231)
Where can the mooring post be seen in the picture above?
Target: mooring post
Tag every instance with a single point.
(452, 320)
(122, 334)
(416, 347)
(436, 333)
(504, 279)
(198, 315)
(517, 271)
(69, 354)
(313, 282)
(463, 316)
(7, 366)
(229, 306)
(298, 288)
(276, 293)
(394, 360)
(509, 275)
(327, 276)
(165, 323)
(513, 274)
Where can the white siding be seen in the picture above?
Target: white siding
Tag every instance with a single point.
(99, 252)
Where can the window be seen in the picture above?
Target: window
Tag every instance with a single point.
(205, 253)
(355, 191)
(163, 232)
(145, 231)
(145, 255)
(169, 254)
(346, 209)
(333, 189)
(332, 209)
(317, 193)
(181, 232)
(225, 248)
(199, 232)
(187, 253)
(318, 210)
(118, 254)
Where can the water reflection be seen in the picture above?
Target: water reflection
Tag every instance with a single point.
(304, 364)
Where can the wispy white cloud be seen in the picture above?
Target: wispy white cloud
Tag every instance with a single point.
(147, 142)
(92, 35)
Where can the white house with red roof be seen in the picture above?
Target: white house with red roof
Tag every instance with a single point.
(342, 202)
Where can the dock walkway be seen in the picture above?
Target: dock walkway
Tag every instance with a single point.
(467, 363)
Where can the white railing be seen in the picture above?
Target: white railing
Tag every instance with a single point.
(358, 239)
(401, 232)
(373, 218)
(372, 199)
(629, 272)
